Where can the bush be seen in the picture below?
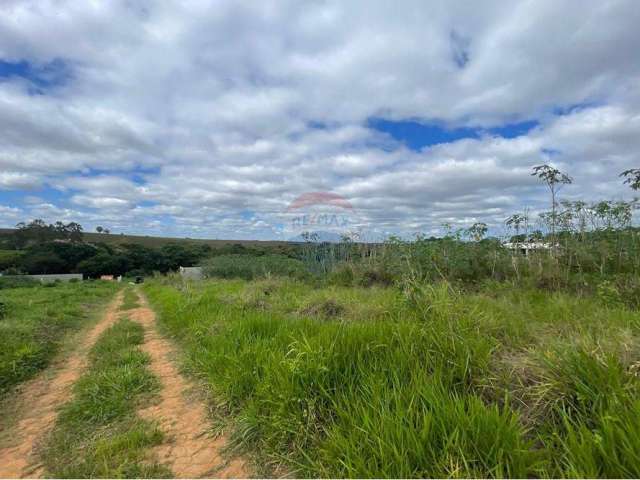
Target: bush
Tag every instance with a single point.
(9, 259)
(17, 282)
(249, 267)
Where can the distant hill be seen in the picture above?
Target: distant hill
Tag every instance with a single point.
(150, 241)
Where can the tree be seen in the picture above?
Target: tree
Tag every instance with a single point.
(477, 231)
(554, 179)
(74, 231)
(515, 221)
(43, 263)
(99, 229)
(632, 178)
(103, 263)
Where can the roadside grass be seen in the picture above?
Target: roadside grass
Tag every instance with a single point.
(35, 323)
(129, 300)
(421, 381)
(98, 433)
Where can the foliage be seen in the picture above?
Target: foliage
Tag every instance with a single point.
(94, 260)
(9, 259)
(249, 267)
(36, 322)
(17, 281)
(37, 231)
(632, 178)
(420, 381)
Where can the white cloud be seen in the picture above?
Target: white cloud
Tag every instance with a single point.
(180, 117)
(18, 180)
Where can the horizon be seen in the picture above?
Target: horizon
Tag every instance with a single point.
(256, 122)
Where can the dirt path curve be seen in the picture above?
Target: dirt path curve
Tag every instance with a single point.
(190, 452)
(39, 399)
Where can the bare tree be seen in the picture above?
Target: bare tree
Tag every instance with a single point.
(554, 179)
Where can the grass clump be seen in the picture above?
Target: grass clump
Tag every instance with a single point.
(500, 382)
(130, 299)
(326, 309)
(98, 433)
(35, 322)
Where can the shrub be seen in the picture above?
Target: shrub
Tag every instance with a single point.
(17, 282)
(249, 267)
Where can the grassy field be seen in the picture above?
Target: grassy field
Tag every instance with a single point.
(98, 433)
(419, 381)
(35, 319)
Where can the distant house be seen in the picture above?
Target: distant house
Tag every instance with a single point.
(526, 247)
(191, 273)
(107, 277)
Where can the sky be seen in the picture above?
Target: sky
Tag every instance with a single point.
(210, 119)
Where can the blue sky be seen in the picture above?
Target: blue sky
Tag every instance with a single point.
(417, 135)
(187, 120)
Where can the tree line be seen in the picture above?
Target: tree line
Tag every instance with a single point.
(40, 248)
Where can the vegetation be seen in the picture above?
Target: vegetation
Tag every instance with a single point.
(98, 433)
(248, 267)
(38, 248)
(98, 259)
(416, 382)
(35, 322)
(459, 356)
(130, 299)
(436, 357)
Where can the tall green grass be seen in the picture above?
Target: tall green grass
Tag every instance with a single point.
(434, 384)
(98, 433)
(36, 320)
(249, 266)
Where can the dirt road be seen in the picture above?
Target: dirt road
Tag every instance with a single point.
(39, 399)
(189, 451)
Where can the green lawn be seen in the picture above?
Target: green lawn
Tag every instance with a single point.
(34, 321)
(422, 381)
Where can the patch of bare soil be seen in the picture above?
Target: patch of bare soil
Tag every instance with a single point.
(39, 399)
(190, 451)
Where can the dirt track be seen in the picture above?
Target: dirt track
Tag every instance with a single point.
(39, 399)
(189, 451)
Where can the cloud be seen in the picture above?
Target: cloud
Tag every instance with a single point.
(17, 180)
(178, 117)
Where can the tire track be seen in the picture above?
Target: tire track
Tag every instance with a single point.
(190, 452)
(39, 400)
